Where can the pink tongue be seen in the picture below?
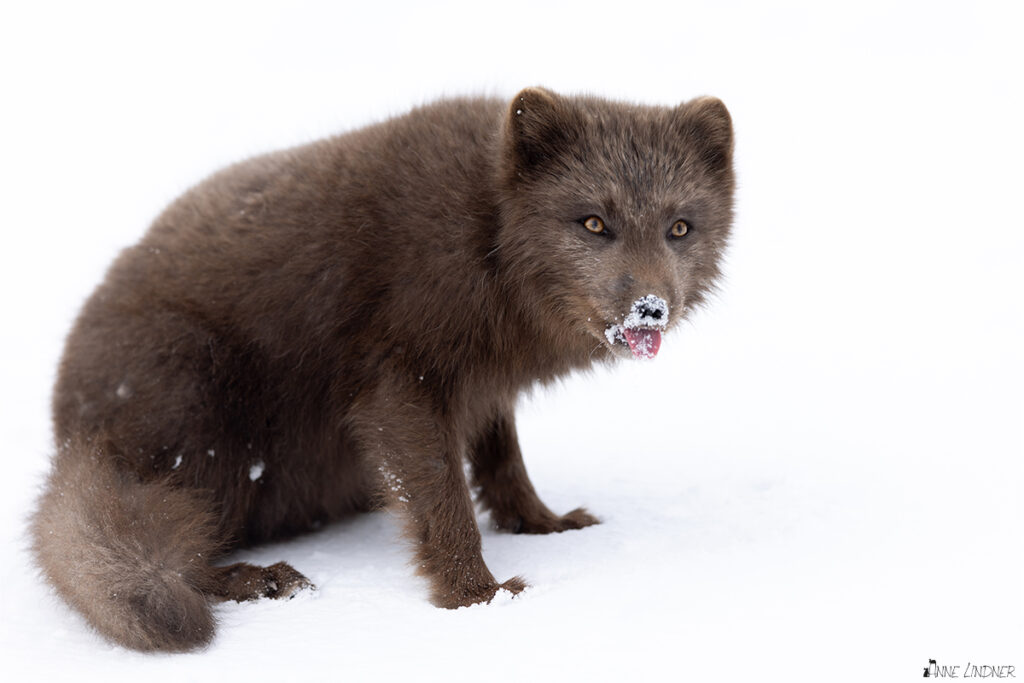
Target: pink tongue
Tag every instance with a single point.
(643, 343)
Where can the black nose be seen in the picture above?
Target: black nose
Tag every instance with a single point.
(651, 312)
(648, 310)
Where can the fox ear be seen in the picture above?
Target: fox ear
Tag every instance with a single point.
(706, 125)
(539, 125)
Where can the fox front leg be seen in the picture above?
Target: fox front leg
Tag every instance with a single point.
(505, 488)
(419, 460)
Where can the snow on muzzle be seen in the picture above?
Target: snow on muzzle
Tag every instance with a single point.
(641, 329)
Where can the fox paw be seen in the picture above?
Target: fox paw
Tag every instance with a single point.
(243, 582)
(548, 523)
(284, 581)
(482, 594)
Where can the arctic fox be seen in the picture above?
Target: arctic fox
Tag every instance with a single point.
(341, 326)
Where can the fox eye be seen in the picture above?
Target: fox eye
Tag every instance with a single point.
(594, 225)
(679, 228)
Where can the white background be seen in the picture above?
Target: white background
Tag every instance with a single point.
(819, 479)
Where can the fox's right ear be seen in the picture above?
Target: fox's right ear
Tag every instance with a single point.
(538, 127)
(707, 125)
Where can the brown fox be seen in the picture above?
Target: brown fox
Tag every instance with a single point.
(341, 326)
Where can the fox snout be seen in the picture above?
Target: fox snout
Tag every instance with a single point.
(647, 311)
(641, 327)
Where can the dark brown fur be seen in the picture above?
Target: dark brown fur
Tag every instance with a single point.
(358, 315)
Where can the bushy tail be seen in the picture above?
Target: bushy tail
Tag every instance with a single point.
(132, 557)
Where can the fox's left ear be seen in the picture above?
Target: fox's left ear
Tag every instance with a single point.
(705, 123)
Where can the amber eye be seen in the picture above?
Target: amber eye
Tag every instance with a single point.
(594, 225)
(680, 228)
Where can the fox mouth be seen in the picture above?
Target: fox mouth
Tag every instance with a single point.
(644, 342)
(641, 329)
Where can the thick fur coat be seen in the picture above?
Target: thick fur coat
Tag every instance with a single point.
(342, 326)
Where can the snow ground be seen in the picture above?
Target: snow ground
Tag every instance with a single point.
(818, 479)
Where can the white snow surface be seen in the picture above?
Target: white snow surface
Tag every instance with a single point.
(818, 479)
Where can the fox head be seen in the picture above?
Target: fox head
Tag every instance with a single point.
(615, 215)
